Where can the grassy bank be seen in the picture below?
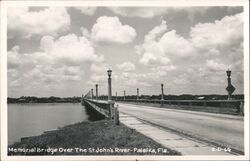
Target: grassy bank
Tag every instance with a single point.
(90, 138)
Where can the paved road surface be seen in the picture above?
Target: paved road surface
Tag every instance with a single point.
(226, 129)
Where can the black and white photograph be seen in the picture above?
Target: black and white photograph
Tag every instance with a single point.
(120, 80)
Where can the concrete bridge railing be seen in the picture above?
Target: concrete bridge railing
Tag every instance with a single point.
(106, 108)
(238, 105)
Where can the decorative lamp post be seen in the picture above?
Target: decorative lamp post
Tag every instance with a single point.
(96, 91)
(137, 94)
(109, 85)
(230, 88)
(162, 95)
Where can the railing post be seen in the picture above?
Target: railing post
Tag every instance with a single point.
(242, 108)
(116, 96)
(96, 91)
(137, 95)
(111, 110)
(124, 95)
(116, 115)
(162, 96)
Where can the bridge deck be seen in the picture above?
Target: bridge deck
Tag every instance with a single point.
(189, 132)
(217, 129)
(168, 139)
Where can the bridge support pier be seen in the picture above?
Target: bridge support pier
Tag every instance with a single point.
(106, 109)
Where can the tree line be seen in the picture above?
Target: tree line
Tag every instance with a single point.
(51, 99)
(76, 99)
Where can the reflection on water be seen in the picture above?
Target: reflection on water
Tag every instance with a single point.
(34, 119)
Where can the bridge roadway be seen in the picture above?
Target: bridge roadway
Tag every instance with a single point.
(224, 129)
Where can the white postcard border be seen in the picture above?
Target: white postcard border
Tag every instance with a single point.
(161, 3)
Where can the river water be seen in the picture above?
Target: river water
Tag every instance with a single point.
(33, 119)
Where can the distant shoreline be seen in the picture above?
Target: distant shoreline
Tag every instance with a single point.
(76, 99)
(52, 99)
(39, 102)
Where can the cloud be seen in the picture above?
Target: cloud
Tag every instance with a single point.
(150, 12)
(131, 79)
(215, 65)
(156, 32)
(127, 66)
(70, 49)
(85, 32)
(159, 45)
(86, 10)
(49, 21)
(96, 78)
(41, 74)
(181, 80)
(143, 12)
(17, 60)
(48, 74)
(63, 59)
(99, 73)
(224, 32)
(13, 58)
(111, 30)
(75, 70)
(100, 68)
(174, 44)
(162, 70)
(205, 54)
(152, 53)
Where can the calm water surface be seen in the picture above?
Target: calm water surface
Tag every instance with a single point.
(34, 119)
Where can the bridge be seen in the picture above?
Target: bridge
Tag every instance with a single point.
(192, 127)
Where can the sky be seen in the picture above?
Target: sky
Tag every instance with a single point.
(65, 51)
